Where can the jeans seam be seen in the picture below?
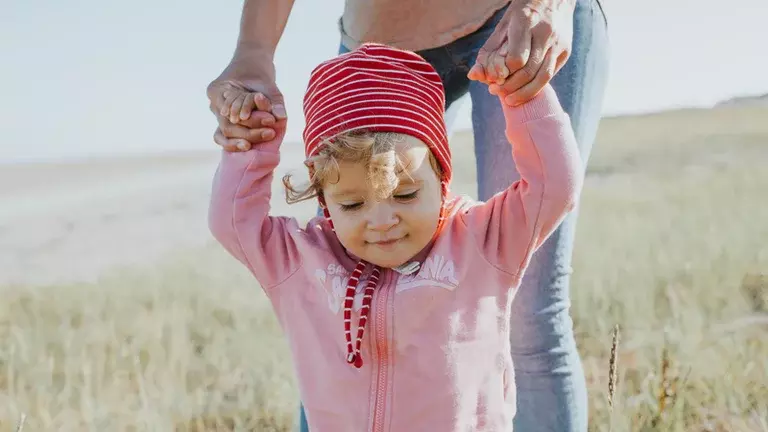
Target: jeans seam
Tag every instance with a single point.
(602, 12)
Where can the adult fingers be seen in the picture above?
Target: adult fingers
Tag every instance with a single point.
(262, 102)
(252, 135)
(230, 144)
(520, 41)
(279, 111)
(259, 119)
(539, 47)
(278, 105)
(561, 60)
(542, 78)
(215, 92)
(272, 101)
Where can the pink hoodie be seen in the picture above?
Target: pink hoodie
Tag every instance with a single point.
(437, 354)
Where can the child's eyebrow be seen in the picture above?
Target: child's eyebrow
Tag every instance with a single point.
(347, 193)
(410, 181)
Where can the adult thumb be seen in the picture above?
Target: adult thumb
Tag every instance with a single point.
(278, 103)
(519, 35)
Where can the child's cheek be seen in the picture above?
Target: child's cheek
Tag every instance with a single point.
(344, 228)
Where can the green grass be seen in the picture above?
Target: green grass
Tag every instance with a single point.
(672, 246)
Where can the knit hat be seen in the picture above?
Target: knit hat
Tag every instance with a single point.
(375, 88)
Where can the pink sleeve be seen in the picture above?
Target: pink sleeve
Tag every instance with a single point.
(511, 225)
(239, 214)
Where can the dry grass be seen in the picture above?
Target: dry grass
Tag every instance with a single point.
(672, 247)
(176, 349)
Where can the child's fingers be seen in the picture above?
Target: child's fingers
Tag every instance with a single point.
(494, 65)
(234, 109)
(247, 107)
(498, 64)
(229, 97)
(501, 71)
(258, 102)
(254, 135)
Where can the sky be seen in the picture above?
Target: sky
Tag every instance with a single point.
(88, 78)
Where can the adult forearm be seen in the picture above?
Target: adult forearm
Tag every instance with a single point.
(262, 24)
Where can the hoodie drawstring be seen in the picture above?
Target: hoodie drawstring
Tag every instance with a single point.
(353, 354)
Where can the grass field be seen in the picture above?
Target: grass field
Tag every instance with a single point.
(672, 246)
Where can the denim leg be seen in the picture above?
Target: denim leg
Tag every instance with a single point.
(551, 389)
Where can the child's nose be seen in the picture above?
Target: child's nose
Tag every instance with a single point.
(382, 217)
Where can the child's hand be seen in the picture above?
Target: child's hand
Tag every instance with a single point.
(238, 103)
(491, 67)
(244, 119)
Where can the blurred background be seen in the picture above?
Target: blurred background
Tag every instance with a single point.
(118, 311)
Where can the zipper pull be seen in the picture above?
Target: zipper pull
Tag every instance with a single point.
(408, 268)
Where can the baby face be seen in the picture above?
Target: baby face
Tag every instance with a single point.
(387, 232)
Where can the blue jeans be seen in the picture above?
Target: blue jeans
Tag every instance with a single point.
(551, 389)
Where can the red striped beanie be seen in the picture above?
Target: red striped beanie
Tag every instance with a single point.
(379, 89)
(375, 88)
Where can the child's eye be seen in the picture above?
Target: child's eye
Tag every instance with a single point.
(350, 207)
(407, 197)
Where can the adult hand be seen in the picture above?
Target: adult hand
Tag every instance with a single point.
(534, 39)
(246, 102)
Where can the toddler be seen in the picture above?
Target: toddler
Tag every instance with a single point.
(396, 303)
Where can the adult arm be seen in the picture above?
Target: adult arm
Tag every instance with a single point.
(244, 97)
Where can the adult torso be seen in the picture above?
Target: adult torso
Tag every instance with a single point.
(413, 24)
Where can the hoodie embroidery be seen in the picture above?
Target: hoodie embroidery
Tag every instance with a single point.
(333, 281)
(437, 270)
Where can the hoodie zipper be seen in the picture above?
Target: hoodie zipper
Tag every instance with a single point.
(382, 353)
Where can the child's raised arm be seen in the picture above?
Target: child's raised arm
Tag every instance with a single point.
(511, 225)
(239, 214)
